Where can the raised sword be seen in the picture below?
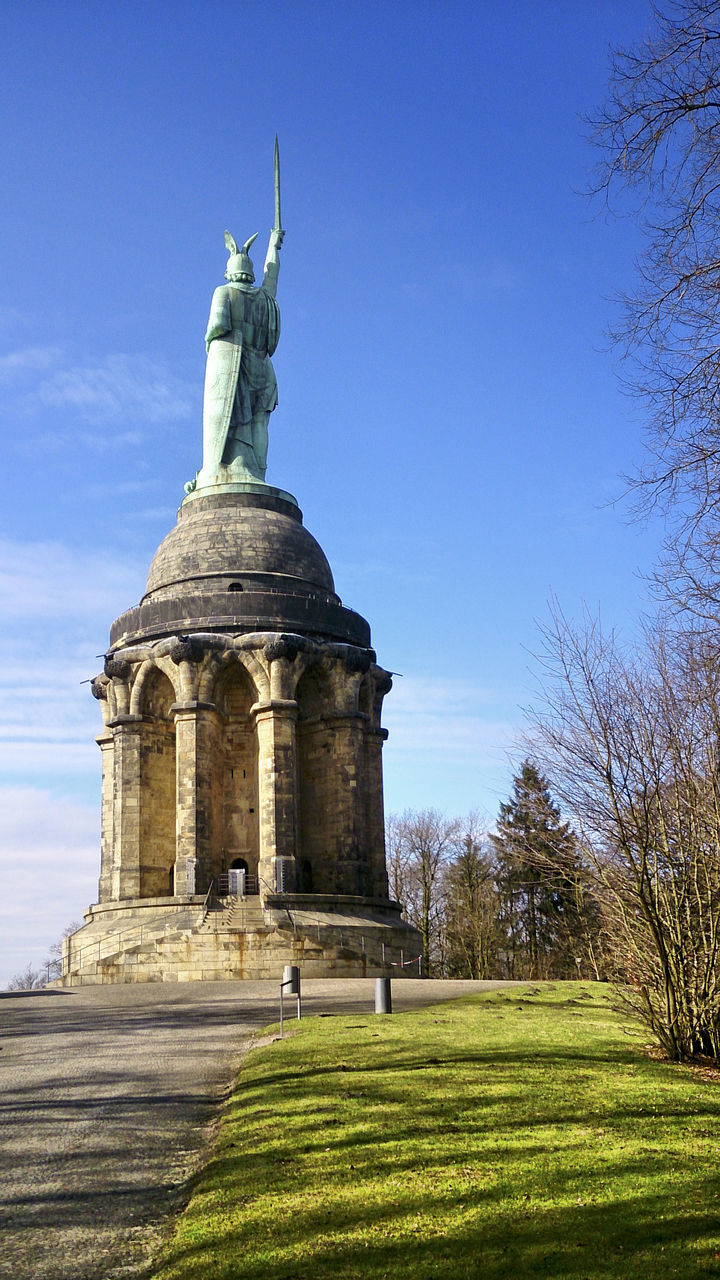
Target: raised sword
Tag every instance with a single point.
(278, 221)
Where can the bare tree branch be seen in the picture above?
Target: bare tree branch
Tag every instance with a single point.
(659, 139)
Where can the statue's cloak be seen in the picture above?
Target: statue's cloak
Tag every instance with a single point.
(242, 334)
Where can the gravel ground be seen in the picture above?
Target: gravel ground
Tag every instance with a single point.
(108, 1097)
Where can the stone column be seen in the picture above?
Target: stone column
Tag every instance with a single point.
(193, 765)
(275, 723)
(374, 809)
(347, 800)
(375, 736)
(106, 744)
(125, 876)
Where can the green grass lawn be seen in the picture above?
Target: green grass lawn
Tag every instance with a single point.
(518, 1133)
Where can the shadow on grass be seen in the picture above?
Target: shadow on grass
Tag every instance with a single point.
(458, 1239)
(525, 1159)
(494, 1057)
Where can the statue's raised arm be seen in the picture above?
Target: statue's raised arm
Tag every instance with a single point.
(272, 261)
(240, 385)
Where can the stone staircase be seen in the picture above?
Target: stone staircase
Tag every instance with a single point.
(236, 939)
(234, 913)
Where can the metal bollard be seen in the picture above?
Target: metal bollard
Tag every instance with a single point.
(383, 995)
(291, 983)
(291, 979)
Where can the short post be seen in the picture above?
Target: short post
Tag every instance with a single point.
(383, 995)
(291, 983)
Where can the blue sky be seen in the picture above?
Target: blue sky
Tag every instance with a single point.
(450, 417)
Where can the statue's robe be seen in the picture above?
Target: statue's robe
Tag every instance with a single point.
(242, 334)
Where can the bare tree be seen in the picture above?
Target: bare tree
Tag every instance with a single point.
(659, 135)
(52, 964)
(471, 914)
(420, 844)
(397, 856)
(28, 980)
(632, 747)
(31, 979)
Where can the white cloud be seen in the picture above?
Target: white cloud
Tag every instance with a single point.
(117, 388)
(61, 760)
(57, 604)
(49, 855)
(29, 361)
(108, 390)
(449, 738)
(448, 716)
(47, 580)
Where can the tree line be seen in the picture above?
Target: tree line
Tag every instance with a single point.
(517, 903)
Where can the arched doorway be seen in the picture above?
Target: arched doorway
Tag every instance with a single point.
(238, 877)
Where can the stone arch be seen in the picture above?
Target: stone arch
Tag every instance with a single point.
(233, 690)
(138, 689)
(209, 674)
(257, 672)
(215, 666)
(145, 680)
(315, 693)
(234, 770)
(169, 669)
(156, 696)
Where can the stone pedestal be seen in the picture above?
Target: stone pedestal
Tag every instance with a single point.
(242, 708)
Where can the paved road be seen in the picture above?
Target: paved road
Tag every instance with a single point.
(107, 1101)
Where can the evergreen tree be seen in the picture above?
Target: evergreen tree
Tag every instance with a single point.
(548, 919)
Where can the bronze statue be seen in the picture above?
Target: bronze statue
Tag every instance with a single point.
(240, 384)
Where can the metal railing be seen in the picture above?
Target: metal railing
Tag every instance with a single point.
(207, 904)
(374, 949)
(110, 944)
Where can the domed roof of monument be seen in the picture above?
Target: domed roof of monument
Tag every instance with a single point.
(240, 562)
(220, 537)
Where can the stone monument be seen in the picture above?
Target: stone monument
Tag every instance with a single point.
(242, 796)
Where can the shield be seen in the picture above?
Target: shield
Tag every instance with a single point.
(221, 376)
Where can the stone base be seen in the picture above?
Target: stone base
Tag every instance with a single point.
(177, 940)
(246, 486)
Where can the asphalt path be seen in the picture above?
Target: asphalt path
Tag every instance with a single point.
(108, 1101)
